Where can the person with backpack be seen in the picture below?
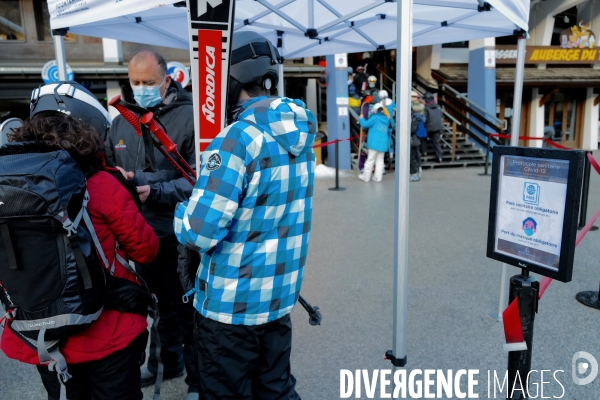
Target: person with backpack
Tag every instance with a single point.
(377, 143)
(434, 126)
(74, 306)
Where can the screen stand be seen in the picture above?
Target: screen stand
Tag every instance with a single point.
(526, 289)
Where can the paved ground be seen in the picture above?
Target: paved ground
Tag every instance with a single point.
(453, 288)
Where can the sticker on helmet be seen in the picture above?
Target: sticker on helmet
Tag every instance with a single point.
(214, 162)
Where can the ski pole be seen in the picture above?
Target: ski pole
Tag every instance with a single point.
(164, 144)
(127, 114)
(149, 120)
(360, 144)
(314, 315)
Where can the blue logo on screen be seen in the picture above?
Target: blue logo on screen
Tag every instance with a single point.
(531, 193)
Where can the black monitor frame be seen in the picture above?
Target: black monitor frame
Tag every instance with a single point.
(572, 200)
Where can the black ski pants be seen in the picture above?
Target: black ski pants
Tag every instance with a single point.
(116, 376)
(434, 139)
(176, 323)
(415, 154)
(245, 362)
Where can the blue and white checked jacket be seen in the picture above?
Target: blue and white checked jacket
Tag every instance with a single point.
(250, 213)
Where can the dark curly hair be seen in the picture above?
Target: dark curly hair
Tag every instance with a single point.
(78, 138)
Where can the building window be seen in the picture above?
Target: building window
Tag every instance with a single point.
(42, 23)
(456, 45)
(563, 22)
(11, 24)
(506, 40)
(564, 116)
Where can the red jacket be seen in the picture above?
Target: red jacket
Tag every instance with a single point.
(115, 218)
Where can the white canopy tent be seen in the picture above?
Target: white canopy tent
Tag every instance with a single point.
(308, 27)
(322, 27)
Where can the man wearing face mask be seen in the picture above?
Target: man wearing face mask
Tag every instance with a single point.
(160, 188)
(372, 81)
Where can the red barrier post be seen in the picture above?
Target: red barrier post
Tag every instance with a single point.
(584, 195)
(588, 298)
(337, 168)
(487, 155)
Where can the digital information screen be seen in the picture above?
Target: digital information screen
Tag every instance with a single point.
(531, 209)
(534, 208)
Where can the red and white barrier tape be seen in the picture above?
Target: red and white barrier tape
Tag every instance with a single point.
(527, 138)
(333, 141)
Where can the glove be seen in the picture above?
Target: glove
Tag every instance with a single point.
(187, 266)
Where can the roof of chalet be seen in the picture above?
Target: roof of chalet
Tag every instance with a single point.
(570, 76)
(98, 71)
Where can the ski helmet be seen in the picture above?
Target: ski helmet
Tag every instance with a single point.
(428, 96)
(372, 81)
(254, 59)
(73, 99)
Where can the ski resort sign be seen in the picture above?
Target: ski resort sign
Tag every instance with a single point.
(548, 55)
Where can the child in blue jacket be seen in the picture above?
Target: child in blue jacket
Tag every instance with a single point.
(377, 143)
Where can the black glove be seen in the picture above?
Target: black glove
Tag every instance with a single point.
(187, 266)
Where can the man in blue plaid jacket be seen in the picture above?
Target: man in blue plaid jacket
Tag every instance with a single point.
(250, 216)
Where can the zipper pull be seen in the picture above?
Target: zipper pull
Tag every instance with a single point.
(7, 295)
(186, 296)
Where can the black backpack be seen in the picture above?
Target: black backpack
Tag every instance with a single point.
(51, 280)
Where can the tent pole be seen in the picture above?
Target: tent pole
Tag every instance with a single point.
(514, 141)
(280, 84)
(59, 51)
(518, 94)
(403, 78)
